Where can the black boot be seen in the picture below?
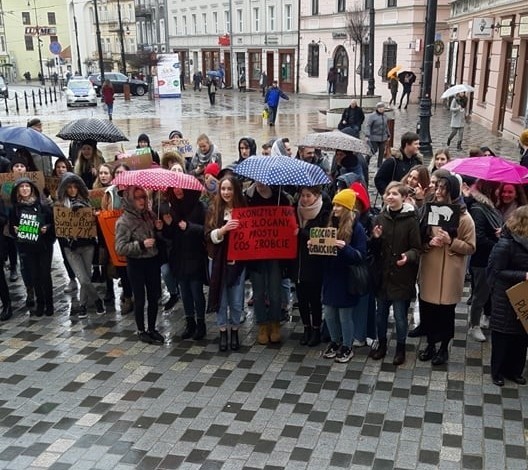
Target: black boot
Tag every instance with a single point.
(190, 328)
(306, 335)
(223, 340)
(459, 145)
(381, 352)
(7, 312)
(448, 142)
(315, 338)
(441, 356)
(399, 357)
(417, 332)
(235, 344)
(200, 331)
(428, 353)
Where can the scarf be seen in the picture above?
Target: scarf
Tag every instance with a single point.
(306, 213)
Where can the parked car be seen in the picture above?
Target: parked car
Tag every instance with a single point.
(137, 87)
(80, 91)
(3, 88)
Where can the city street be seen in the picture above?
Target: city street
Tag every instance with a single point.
(85, 394)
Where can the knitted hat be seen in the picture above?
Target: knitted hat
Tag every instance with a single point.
(345, 198)
(361, 194)
(212, 169)
(17, 158)
(175, 135)
(523, 138)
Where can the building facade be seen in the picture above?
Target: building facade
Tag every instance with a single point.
(241, 38)
(488, 49)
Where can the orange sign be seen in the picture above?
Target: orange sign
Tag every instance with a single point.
(107, 222)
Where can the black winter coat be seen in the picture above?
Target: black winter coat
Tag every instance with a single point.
(394, 169)
(508, 264)
(352, 116)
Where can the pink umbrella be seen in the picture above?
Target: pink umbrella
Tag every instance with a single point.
(158, 179)
(490, 169)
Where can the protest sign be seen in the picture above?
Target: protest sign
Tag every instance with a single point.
(445, 216)
(7, 181)
(518, 296)
(137, 159)
(107, 222)
(323, 241)
(74, 224)
(52, 184)
(265, 232)
(28, 227)
(96, 197)
(183, 146)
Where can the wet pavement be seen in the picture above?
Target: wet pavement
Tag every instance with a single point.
(85, 394)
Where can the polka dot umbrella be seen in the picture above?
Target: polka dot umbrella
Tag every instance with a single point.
(157, 179)
(281, 170)
(100, 130)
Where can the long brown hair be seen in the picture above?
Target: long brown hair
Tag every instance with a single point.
(217, 208)
(345, 227)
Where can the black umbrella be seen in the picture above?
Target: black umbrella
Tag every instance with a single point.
(99, 130)
(406, 76)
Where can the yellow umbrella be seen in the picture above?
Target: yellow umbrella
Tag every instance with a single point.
(394, 71)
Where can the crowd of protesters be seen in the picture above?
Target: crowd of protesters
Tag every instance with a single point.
(182, 237)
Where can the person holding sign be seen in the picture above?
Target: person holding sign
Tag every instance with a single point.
(73, 194)
(508, 266)
(313, 210)
(226, 285)
(144, 142)
(338, 304)
(396, 243)
(135, 238)
(31, 222)
(442, 270)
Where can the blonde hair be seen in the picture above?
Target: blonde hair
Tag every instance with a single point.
(518, 222)
(97, 183)
(346, 224)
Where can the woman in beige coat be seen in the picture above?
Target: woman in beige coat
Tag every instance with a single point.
(442, 270)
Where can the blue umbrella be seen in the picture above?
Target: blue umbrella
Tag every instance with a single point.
(30, 139)
(214, 73)
(280, 171)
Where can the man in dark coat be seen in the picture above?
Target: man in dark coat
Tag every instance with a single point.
(352, 117)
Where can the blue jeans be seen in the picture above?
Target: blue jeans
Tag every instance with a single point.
(267, 284)
(193, 298)
(285, 293)
(232, 297)
(360, 318)
(400, 308)
(340, 323)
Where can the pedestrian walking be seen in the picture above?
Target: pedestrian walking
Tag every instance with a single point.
(458, 118)
(393, 87)
(407, 79)
(107, 92)
(211, 90)
(332, 81)
(263, 83)
(377, 132)
(272, 98)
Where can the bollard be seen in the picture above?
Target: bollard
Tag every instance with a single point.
(45, 96)
(55, 93)
(40, 98)
(26, 100)
(33, 96)
(16, 103)
(7, 107)
(51, 95)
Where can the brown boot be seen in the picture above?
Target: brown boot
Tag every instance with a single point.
(275, 334)
(263, 333)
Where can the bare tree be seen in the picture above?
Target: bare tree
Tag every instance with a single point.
(357, 28)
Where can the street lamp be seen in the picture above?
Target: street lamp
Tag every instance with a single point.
(121, 40)
(98, 38)
(77, 42)
(372, 20)
(39, 42)
(425, 101)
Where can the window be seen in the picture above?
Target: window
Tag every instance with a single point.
(2, 44)
(392, 3)
(256, 19)
(240, 21)
(26, 19)
(215, 22)
(341, 6)
(194, 24)
(271, 16)
(54, 39)
(227, 20)
(388, 60)
(512, 55)
(184, 21)
(288, 17)
(51, 18)
(175, 18)
(313, 60)
(204, 22)
(29, 43)
(315, 7)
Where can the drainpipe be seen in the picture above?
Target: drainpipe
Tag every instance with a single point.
(298, 64)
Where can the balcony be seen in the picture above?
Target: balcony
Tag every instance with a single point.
(143, 11)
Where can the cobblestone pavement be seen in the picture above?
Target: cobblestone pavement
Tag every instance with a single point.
(87, 395)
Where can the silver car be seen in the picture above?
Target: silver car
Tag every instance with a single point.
(80, 92)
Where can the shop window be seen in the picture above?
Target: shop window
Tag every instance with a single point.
(313, 60)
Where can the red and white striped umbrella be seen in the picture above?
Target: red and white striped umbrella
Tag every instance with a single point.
(157, 179)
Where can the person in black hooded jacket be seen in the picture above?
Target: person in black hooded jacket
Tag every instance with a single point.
(31, 223)
(508, 266)
(143, 142)
(246, 148)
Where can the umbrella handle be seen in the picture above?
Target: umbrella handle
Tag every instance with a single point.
(159, 204)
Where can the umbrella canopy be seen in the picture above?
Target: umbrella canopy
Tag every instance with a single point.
(214, 73)
(394, 71)
(280, 171)
(406, 76)
(335, 140)
(490, 169)
(455, 89)
(28, 138)
(157, 179)
(100, 130)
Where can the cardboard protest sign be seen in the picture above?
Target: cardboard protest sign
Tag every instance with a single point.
(518, 296)
(107, 222)
(96, 197)
(183, 146)
(137, 159)
(445, 216)
(28, 227)
(7, 181)
(52, 184)
(323, 241)
(265, 232)
(74, 224)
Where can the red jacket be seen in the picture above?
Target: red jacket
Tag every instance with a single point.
(108, 94)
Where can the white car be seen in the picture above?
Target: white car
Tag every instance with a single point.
(80, 92)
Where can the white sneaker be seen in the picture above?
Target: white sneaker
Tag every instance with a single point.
(484, 322)
(476, 333)
(72, 286)
(359, 344)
